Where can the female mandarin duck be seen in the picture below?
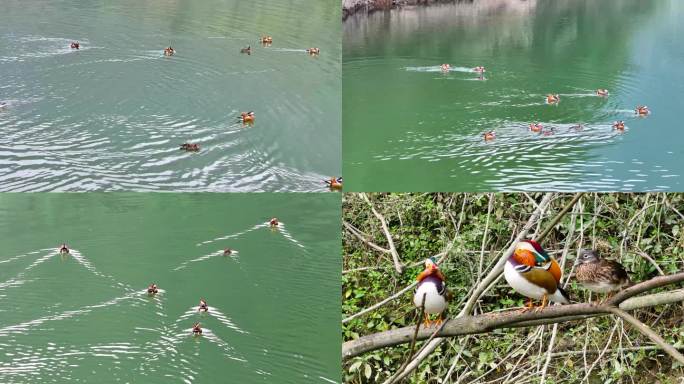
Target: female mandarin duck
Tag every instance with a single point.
(600, 275)
(431, 285)
(531, 272)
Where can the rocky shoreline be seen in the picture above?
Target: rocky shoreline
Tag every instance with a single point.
(350, 7)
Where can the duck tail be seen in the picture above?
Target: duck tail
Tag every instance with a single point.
(561, 296)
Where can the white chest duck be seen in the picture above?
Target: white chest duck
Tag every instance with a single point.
(432, 287)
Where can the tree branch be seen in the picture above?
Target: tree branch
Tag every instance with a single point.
(393, 250)
(643, 328)
(465, 325)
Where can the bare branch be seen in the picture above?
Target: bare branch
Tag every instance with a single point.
(393, 250)
(643, 328)
(465, 325)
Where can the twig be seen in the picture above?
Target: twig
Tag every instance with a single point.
(643, 328)
(559, 216)
(359, 236)
(393, 250)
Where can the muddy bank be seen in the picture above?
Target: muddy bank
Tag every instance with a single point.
(349, 7)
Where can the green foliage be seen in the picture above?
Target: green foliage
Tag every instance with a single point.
(627, 227)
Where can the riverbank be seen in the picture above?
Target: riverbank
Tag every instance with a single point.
(350, 7)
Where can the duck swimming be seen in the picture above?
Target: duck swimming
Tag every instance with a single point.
(228, 252)
(196, 329)
(152, 289)
(619, 125)
(75, 45)
(63, 249)
(334, 183)
(274, 222)
(642, 110)
(445, 67)
(266, 40)
(552, 98)
(491, 135)
(313, 51)
(203, 307)
(169, 51)
(247, 117)
(247, 50)
(190, 147)
(536, 127)
(479, 69)
(432, 288)
(602, 92)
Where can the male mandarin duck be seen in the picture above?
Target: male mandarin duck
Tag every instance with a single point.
(552, 98)
(431, 284)
(600, 275)
(75, 45)
(203, 307)
(602, 92)
(479, 69)
(247, 117)
(334, 183)
(266, 40)
(152, 289)
(536, 127)
(196, 329)
(169, 51)
(619, 125)
(313, 51)
(274, 222)
(531, 272)
(642, 110)
(491, 135)
(445, 67)
(63, 249)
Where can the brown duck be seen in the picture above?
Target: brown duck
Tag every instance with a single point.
(600, 275)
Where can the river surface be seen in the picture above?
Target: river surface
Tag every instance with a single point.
(408, 126)
(86, 317)
(112, 115)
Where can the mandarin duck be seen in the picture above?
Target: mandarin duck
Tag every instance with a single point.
(552, 98)
(273, 223)
(642, 110)
(431, 285)
(334, 183)
(196, 329)
(63, 249)
(602, 92)
(489, 135)
(203, 307)
(600, 275)
(152, 289)
(531, 272)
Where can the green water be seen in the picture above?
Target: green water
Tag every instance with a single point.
(112, 115)
(85, 317)
(410, 127)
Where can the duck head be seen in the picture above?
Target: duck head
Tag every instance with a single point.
(530, 248)
(587, 256)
